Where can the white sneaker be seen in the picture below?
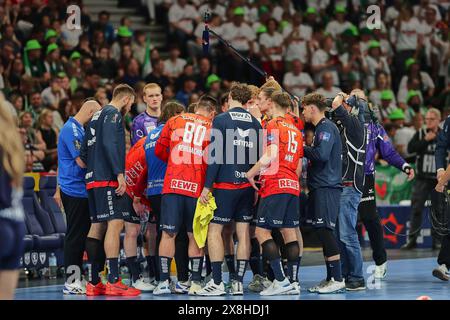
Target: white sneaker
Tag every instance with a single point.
(316, 288)
(182, 287)
(212, 289)
(256, 285)
(151, 280)
(237, 289)
(380, 271)
(441, 273)
(140, 284)
(295, 289)
(266, 283)
(162, 288)
(277, 288)
(194, 288)
(74, 288)
(333, 287)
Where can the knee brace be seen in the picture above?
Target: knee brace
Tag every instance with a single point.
(270, 250)
(329, 242)
(292, 251)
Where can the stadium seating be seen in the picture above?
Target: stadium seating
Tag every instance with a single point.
(47, 187)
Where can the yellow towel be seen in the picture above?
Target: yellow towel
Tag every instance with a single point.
(203, 215)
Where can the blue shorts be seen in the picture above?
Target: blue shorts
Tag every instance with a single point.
(323, 207)
(11, 243)
(278, 211)
(105, 205)
(177, 210)
(236, 205)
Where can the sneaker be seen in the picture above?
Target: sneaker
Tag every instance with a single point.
(162, 288)
(237, 289)
(380, 271)
(182, 287)
(332, 286)
(277, 288)
(295, 289)
(441, 273)
(194, 288)
(140, 284)
(316, 288)
(212, 289)
(151, 280)
(119, 289)
(74, 288)
(266, 283)
(410, 245)
(95, 290)
(356, 285)
(256, 285)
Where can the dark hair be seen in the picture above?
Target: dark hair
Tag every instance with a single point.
(281, 99)
(103, 12)
(169, 110)
(224, 98)
(123, 90)
(62, 108)
(206, 102)
(316, 99)
(240, 92)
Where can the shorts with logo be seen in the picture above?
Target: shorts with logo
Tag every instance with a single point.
(278, 211)
(234, 204)
(177, 210)
(106, 205)
(11, 243)
(323, 207)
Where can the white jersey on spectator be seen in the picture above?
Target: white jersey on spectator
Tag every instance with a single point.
(329, 94)
(174, 68)
(303, 30)
(298, 83)
(335, 28)
(406, 38)
(271, 41)
(183, 16)
(321, 57)
(238, 37)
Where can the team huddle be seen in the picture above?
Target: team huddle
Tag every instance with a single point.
(239, 170)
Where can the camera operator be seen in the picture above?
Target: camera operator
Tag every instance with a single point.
(353, 137)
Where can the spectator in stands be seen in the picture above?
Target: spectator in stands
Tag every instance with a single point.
(157, 75)
(376, 62)
(61, 115)
(139, 46)
(168, 93)
(413, 72)
(182, 17)
(105, 65)
(403, 135)
(328, 90)
(173, 66)
(17, 102)
(296, 37)
(9, 38)
(15, 73)
(340, 24)
(33, 142)
(271, 43)
(381, 84)
(104, 26)
(35, 67)
(296, 81)
(124, 37)
(101, 96)
(387, 105)
(189, 87)
(195, 46)
(204, 70)
(53, 94)
(188, 72)
(212, 86)
(90, 84)
(49, 135)
(354, 66)
(36, 104)
(84, 46)
(423, 144)
(325, 60)
(132, 74)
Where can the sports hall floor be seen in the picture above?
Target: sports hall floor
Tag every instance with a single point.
(409, 276)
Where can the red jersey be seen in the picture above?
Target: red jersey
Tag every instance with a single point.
(281, 176)
(295, 120)
(183, 144)
(136, 171)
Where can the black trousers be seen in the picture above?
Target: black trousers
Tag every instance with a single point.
(439, 215)
(78, 225)
(368, 214)
(181, 243)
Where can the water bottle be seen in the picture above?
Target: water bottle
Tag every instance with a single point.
(53, 266)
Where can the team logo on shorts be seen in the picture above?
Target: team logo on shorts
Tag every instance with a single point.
(184, 185)
(289, 184)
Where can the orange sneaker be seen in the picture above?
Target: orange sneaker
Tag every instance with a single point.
(119, 289)
(95, 290)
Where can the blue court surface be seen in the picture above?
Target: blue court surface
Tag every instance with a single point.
(406, 280)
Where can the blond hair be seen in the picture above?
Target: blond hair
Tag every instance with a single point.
(42, 117)
(151, 85)
(272, 83)
(255, 91)
(12, 155)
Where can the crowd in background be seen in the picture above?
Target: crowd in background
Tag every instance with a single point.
(47, 70)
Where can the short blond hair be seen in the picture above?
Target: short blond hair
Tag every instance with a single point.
(151, 85)
(436, 112)
(271, 84)
(255, 91)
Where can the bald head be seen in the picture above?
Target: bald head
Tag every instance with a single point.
(87, 110)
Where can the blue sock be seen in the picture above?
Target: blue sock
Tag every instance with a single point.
(197, 267)
(216, 271)
(113, 269)
(164, 268)
(241, 267)
(328, 271)
(133, 266)
(229, 260)
(151, 266)
(335, 269)
(292, 270)
(208, 265)
(277, 269)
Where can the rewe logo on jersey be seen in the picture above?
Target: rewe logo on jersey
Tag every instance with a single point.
(241, 116)
(183, 185)
(288, 183)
